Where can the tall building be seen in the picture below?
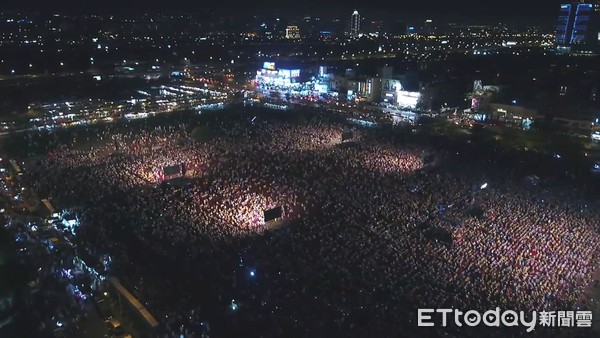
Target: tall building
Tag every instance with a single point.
(292, 32)
(355, 24)
(578, 24)
(429, 28)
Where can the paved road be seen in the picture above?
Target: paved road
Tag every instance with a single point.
(94, 325)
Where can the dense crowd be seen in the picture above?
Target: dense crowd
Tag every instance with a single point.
(359, 255)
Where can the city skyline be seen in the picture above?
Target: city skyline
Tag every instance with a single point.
(307, 169)
(506, 9)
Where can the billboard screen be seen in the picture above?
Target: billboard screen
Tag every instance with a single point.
(272, 214)
(391, 85)
(295, 73)
(269, 65)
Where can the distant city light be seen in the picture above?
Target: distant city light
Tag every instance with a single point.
(483, 186)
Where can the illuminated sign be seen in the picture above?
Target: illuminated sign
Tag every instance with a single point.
(409, 94)
(269, 65)
(407, 99)
(285, 72)
(295, 73)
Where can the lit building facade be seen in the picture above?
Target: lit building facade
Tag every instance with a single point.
(292, 32)
(270, 76)
(393, 93)
(513, 115)
(578, 23)
(355, 24)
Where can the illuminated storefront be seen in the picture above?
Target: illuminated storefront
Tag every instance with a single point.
(513, 114)
(270, 76)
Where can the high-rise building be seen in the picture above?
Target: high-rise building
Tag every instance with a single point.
(578, 23)
(292, 32)
(355, 24)
(428, 27)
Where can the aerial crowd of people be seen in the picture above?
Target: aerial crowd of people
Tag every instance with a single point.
(355, 251)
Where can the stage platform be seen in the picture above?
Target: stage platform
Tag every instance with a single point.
(349, 144)
(177, 182)
(277, 224)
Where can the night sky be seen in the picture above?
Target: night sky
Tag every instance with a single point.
(535, 9)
